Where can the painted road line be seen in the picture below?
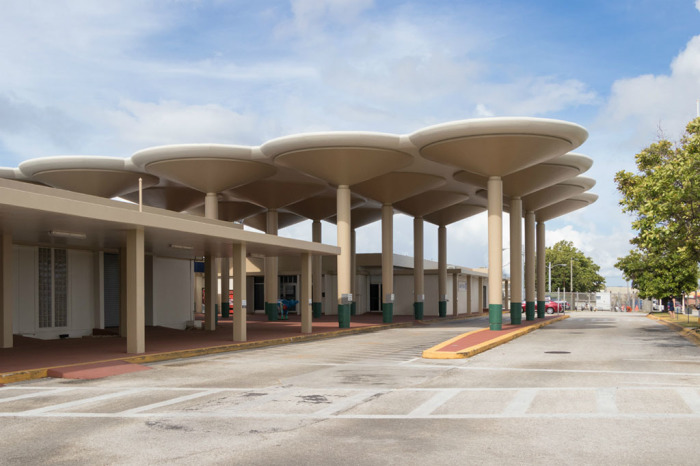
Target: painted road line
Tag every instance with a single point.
(437, 400)
(171, 401)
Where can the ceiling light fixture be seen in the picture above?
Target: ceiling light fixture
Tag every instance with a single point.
(67, 234)
(181, 246)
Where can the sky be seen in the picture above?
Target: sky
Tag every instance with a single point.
(109, 78)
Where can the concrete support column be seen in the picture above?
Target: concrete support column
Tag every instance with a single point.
(317, 304)
(353, 271)
(455, 294)
(305, 301)
(530, 265)
(271, 275)
(211, 206)
(442, 270)
(239, 293)
(122, 292)
(6, 285)
(495, 229)
(387, 263)
(418, 272)
(135, 292)
(506, 296)
(480, 285)
(344, 258)
(540, 269)
(516, 260)
(469, 294)
(225, 286)
(211, 291)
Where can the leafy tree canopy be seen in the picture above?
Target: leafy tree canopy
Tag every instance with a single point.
(664, 199)
(585, 271)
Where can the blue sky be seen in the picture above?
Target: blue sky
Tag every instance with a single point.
(109, 78)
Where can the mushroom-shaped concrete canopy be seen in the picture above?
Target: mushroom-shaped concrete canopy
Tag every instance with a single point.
(284, 188)
(9, 173)
(454, 213)
(340, 158)
(425, 203)
(363, 215)
(396, 186)
(284, 220)
(566, 206)
(99, 176)
(208, 168)
(321, 206)
(498, 146)
(536, 177)
(175, 198)
(231, 211)
(558, 192)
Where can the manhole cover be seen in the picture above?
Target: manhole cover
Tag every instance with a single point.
(557, 352)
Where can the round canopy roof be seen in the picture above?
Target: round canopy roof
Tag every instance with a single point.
(209, 168)
(498, 146)
(429, 201)
(454, 213)
(175, 198)
(284, 220)
(340, 158)
(556, 193)
(396, 186)
(99, 176)
(536, 177)
(566, 206)
(321, 206)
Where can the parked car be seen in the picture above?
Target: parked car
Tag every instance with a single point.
(550, 307)
(564, 304)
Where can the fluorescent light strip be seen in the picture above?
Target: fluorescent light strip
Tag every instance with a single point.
(67, 234)
(180, 246)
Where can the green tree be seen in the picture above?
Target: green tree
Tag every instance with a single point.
(664, 200)
(585, 271)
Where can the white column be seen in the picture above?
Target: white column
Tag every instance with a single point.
(442, 263)
(239, 293)
(211, 206)
(225, 281)
(305, 301)
(271, 275)
(530, 258)
(455, 294)
(418, 259)
(135, 292)
(344, 240)
(316, 232)
(211, 291)
(541, 265)
(6, 285)
(516, 253)
(387, 254)
(495, 235)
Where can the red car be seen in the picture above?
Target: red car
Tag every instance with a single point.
(550, 307)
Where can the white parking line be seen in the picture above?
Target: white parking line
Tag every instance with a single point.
(71, 404)
(437, 400)
(171, 401)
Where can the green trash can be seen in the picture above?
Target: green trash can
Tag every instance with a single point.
(224, 310)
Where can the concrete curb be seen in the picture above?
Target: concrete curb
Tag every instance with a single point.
(40, 373)
(687, 333)
(435, 353)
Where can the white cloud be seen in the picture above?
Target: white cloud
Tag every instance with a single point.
(644, 103)
(170, 122)
(697, 4)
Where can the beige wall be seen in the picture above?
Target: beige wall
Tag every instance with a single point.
(172, 292)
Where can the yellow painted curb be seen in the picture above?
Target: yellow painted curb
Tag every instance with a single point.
(434, 353)
(32, 374)
(687, 333)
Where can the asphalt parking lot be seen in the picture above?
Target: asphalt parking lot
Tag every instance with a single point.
(608, 388)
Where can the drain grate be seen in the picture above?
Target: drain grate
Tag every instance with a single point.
(557, 352)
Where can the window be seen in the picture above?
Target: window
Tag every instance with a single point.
(53, 287)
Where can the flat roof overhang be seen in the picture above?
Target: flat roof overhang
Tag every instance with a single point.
(30, 212)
